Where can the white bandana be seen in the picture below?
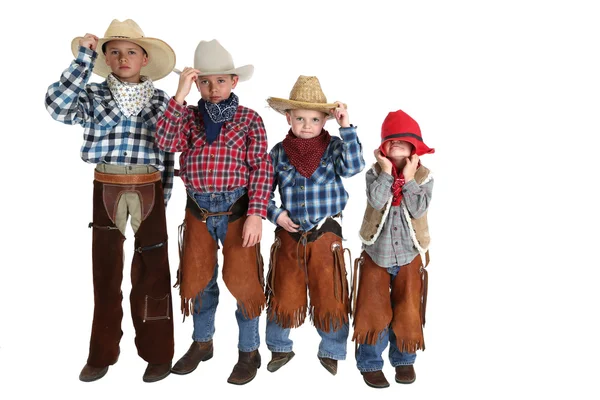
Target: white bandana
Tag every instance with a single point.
(131, 97)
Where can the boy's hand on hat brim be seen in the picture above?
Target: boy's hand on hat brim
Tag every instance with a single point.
(409, 170)
(341, 114)
(186, 77)
(89, 41)
(384, 162)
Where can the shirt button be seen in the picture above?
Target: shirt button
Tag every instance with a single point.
(211, 187)
(130, 167)
(210, 170)
(303, 221)
(395, 228)
(177, 114)
(212, 156)
(302, 205)
(125, 153)
(396, 243)
(395, 212)
(301, 187)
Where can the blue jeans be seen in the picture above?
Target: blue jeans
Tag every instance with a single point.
(333, 344)
(204, 311)
(368, 357)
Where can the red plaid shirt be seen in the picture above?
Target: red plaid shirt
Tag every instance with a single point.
(237, 158)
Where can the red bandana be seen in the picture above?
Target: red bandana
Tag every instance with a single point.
(397, 186)
(305, 154)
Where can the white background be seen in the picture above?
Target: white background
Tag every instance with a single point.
(506, 92)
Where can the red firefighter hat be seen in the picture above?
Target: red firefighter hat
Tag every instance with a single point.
(398, 125)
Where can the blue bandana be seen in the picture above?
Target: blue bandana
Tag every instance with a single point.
(214, 115)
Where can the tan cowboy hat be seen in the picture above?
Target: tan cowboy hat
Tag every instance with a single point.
(305, 95)
(211, 58)
(161, 57)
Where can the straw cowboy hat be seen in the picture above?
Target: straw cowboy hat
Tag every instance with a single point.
(161, 57)
(211, 58)
(305, 95)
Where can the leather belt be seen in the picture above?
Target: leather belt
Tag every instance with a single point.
(128, 179)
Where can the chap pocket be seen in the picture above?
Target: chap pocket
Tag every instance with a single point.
(156, 309)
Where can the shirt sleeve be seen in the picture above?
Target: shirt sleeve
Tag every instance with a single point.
(174, 126)
(417, 198)
(273, 211)
(348, 156)
(67, 100)
(260, 168)
(167, 174)
(379, 188)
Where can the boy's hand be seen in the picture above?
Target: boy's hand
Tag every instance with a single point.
(286, 222)
(410, 168)
(341, 114)
(252, 231)
(89, 41)
(188, 75)
(384, 162)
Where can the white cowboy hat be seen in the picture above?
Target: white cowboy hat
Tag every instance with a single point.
(211, 58)
(305, 95)
(161, 57)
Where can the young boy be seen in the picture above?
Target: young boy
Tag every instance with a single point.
(308, 167)
(227, 174)
(393, 280)
(119, 117)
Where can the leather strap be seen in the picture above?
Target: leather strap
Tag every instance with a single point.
(129, 179)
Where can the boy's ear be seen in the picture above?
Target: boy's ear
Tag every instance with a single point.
(288, 117)
(235, 81)
(145, 60)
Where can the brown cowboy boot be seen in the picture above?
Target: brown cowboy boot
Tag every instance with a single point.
(156, 372)
(198, 351)
(90, 374)
(375, 379)
(329, 364)
(405, 374)
(245, 369)
(278, 360)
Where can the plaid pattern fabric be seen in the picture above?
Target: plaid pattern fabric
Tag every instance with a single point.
(237, 158)
(309, 200)
(109, 137)
(394, 245)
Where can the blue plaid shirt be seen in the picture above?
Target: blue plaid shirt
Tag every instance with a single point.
(109, 137)
(310, 200)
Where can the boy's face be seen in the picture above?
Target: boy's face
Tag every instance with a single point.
(125, 59)
(216, 88)
(306, 124)
(397, 149)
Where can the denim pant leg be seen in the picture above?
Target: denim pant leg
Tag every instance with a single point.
(368, 357)
(278, 338)
(333, 343)
(205, 310)
(249, 337)
(396, 356)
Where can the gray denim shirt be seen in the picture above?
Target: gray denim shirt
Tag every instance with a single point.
(394, 245)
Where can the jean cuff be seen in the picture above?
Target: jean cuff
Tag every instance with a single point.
(202, 339)
(402, 363)
(332, 356)
(249, 349)
(370, 369)
(280, 349)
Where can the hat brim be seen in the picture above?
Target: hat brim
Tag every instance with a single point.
(420, 147)
(161, 57)
(244, 72)
(283, 105)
